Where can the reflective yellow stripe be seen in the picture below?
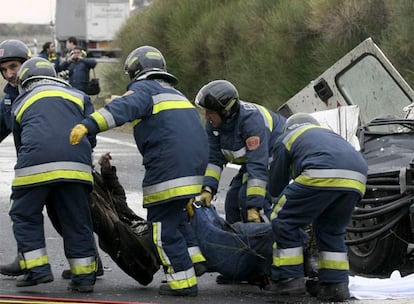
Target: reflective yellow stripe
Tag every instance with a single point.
(171, 193)
(333, 260)
(83, 265)
(288, 256)
(256, 186)
(171, 105)
(233, 156)
(50, 93)
(182, 279)
(287, 261)
(156, 238)
(196, 255)
(291, 137)
(335, 173)
(277, 207)
(35, 258)
(256, 191)
(245, 177)
(213, 171)
(181, 186)
(37, 262)
(22, 264)
(336, 265)
(331, 182)
(213, 174)
(77, 270)
(135, 122)
(267, 117)
(50, 176)
(100, 121)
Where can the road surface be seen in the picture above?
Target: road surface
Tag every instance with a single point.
(115, 286)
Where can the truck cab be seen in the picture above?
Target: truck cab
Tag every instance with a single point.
(379, 237)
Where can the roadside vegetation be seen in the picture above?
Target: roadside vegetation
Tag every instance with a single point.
(269, 49)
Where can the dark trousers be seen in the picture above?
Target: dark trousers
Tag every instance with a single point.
(70, 202)
(329, 211)
(169, 217)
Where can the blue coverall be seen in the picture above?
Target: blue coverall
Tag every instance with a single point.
(247, 140)
(51, 171)
(329, 178)
(170, 137)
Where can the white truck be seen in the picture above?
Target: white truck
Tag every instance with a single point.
(380, 236)
(93, 22)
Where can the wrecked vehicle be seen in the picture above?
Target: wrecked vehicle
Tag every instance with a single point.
(365, 99)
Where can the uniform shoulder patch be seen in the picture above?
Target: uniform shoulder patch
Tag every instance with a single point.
(253, 142)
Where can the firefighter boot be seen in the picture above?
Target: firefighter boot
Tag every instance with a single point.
(84, 288)
(336, 292)
(200, 268)
(166, 290)
(30, 279)
(13, 269)
(288, 287)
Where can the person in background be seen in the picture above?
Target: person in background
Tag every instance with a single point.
(49, 53)
(12, 54)
(71, 43)
(49, 171)
(170, 137)
(78, 66)
(329, 178)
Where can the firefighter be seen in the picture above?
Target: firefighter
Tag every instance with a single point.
(50, 171)
(12, 54)
(329, 178)
(170, 137)
(241, 133)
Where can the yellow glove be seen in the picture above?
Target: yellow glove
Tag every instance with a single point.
(189, 207)
(206, 196)
(253, 215)
(77, 133)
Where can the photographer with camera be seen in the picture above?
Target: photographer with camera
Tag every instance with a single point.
(78, 66)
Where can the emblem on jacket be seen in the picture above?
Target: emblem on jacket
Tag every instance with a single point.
(253, 142)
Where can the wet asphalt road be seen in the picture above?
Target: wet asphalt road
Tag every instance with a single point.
(115, 286)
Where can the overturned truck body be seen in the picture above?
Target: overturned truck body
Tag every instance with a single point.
(380, 235)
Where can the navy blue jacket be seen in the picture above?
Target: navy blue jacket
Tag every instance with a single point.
(79, 72)
(6, 103)
(246, 139)
(168, 133)
(53, 59)
(316, 157)
(42, 120)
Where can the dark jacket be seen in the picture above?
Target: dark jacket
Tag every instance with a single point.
(42, 120)
(6, 103)
(79, 72)
(168, 133)
(52, 58)
(246, 139)
(317, 157)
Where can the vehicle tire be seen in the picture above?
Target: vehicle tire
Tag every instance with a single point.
(382, 255)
